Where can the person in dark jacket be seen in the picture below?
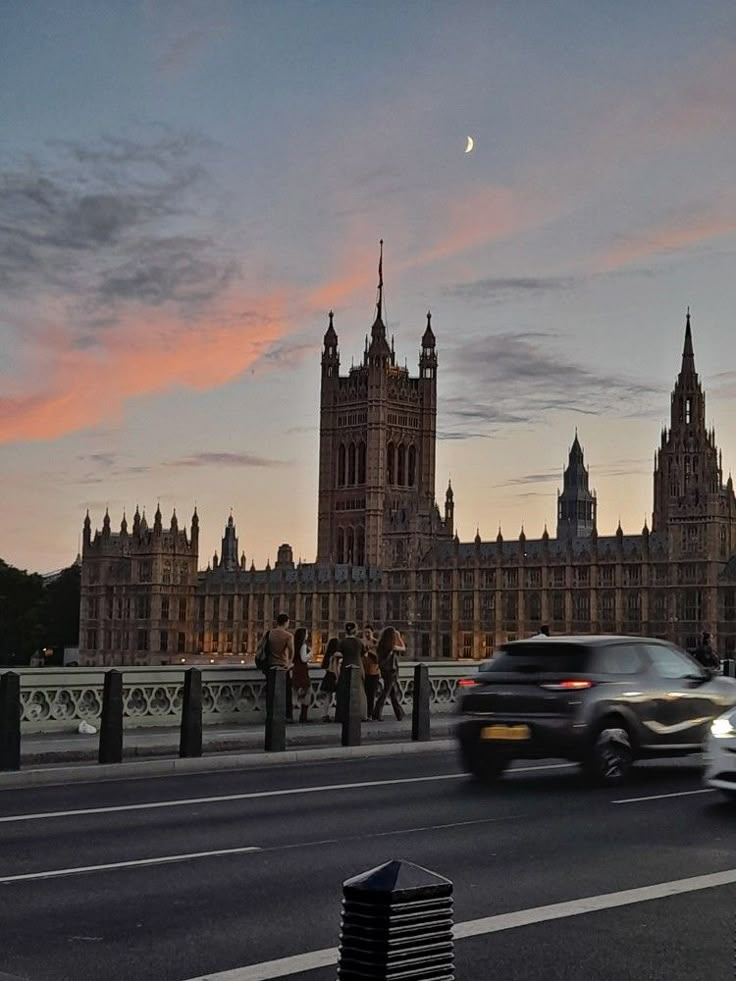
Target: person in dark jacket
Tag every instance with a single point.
(390, 646)
(352, 649)
(706, 655)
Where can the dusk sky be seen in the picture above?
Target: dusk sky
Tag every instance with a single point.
(187, 188)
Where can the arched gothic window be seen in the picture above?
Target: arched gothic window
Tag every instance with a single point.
(351, 464)
(350, 542)
(340, 545)
(360, 547)
(341, 466)
(390, 473)
(412, 475)
(401, 466)
(361, 463)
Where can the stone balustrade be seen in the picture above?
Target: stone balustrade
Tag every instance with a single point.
(58, 699)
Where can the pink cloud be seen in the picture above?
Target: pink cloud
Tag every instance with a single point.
(139, 355)
(672, 236)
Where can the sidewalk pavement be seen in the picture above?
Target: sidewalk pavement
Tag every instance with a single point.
(64, 758)
(63, 748)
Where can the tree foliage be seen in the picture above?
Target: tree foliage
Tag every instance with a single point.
(35, 615)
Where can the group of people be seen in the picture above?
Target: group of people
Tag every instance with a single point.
(376, 658)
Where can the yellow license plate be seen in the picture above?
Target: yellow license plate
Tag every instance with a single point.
(506, 733)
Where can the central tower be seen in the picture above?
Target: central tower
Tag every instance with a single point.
(377, 451)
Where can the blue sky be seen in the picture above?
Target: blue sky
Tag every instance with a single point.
(187, 188)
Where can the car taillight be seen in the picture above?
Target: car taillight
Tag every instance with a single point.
(571, 685)
(467, 683)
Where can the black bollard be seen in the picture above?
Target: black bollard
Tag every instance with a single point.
(352, 706)
(729, 668)
(111, 723)
(275, 738)
(10, 713)
(190, 738)
(420, 705)
(396, 923)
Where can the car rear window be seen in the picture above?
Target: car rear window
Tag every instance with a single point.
(541, 658)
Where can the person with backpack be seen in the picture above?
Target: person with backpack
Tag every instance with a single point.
(390, 646)
(276, 650)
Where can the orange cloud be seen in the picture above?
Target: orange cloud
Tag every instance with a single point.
(484, 214)
(138, 356)
(670, 237)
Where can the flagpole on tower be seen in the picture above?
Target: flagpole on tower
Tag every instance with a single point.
(380, 282)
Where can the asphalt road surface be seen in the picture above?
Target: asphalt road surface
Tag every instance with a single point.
(217, 876)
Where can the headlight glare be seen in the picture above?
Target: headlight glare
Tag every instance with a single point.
(723, 727)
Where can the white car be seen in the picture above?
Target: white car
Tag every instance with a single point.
(720, 754)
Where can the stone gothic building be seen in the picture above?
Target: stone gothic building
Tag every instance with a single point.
(385, 554)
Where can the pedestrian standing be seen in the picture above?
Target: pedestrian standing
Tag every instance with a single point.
(301, 682)
(390, 646)
(352, 649)
(281, 654)
(706, 655)
(372, 671)
(331, 666)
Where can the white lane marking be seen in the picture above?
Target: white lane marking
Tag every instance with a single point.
(256, 795)
(489, 924)
(681, 793)
(166, 859)
(161, 860)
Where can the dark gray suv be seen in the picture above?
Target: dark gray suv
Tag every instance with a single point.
(599, 701)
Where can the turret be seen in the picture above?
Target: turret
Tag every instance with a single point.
(576, 505)
(195, 529)
(449, 509)
(428, 356)
(124, 525)
(229, 553)
(86, 531)
(106, 524)
(158, 526)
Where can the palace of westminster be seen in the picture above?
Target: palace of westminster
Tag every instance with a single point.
(387, 555)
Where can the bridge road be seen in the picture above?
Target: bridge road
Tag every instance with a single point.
(200, 876)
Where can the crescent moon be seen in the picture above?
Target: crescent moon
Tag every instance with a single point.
(470, 145)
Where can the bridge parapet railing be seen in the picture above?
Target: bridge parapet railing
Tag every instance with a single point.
(59, 699)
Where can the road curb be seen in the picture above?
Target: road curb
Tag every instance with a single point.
(90, 773)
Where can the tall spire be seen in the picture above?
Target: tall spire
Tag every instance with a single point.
(687, 351)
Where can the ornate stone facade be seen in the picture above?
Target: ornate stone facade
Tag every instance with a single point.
(385, 555)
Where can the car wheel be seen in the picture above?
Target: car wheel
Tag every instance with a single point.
(486, 767)
(610, 757)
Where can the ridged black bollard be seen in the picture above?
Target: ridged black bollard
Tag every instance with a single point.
(352, 706)
(275, 738)
(729, 668)
(396, 924)
(111, 723)
(10, 713)
(420, 707)
(190, 737)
